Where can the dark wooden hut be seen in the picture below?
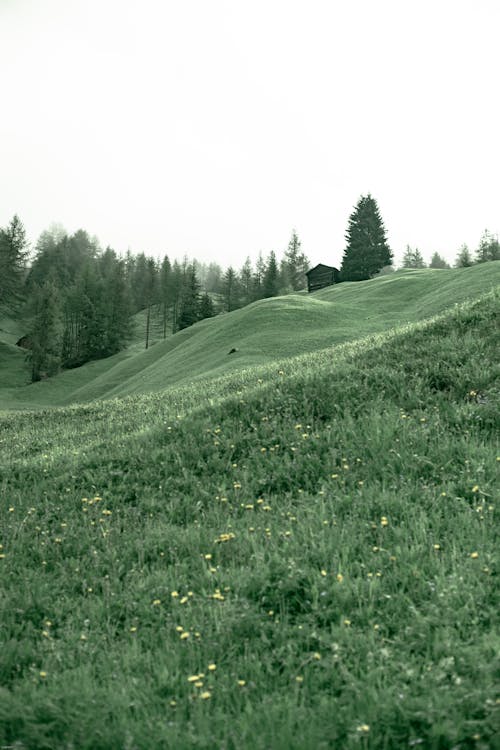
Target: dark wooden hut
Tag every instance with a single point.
(321, 276)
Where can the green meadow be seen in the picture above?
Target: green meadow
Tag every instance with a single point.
(292, 546)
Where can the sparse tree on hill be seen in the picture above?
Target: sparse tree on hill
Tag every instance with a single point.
(13, 257)
(367, 249)
(464, 258)
(489, 248)
(437, 261)
(413, 258)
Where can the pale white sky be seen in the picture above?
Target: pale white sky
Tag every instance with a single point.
(213, 127)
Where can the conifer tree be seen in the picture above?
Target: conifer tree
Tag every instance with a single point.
(413, 258)
(207, 309)
(190, 299)
(246, 282)
(464, 258)
(230, 290)
(489, 248)
(13, 257)
(270, 284)
(165, 288)
(295, 264)
(47, 332)
(367, 250)
(437, 261)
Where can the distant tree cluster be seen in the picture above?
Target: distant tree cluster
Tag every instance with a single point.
(78, 300)
(488, 249)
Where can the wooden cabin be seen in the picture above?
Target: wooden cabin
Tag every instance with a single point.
(321, 276)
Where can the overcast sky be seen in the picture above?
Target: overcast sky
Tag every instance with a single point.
(212, 128)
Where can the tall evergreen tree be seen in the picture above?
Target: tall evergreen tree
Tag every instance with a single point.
(13, 257)
(367, 250)
(47, 332)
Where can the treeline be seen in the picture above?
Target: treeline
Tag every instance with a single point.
(79, 301)
(488, 249)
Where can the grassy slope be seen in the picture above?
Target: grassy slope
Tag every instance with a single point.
(323, 533)
(262, 333)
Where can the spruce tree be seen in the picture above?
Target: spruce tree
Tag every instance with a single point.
(489, 248)
(190, 299)
(437, 261)
(13, 256)
(367, 250)
(230, 290)
(270, 284)
(464, 258)
(46, 333)
(413, 258)
(207, 309)
(295, 264)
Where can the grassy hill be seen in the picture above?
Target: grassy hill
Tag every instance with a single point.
(263, 332)
(298, 554)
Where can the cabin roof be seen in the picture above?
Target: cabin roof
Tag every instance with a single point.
(321, 266)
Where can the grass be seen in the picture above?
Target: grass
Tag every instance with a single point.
(262, 332)
(301, 554)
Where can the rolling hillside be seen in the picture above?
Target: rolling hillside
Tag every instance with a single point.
(263, 332)
(301, 554)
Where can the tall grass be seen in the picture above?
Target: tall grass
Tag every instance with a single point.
(297, 556)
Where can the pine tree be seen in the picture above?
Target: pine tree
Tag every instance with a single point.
(230, 290)
(207, 309)
(258, 278)
(367, 251)
(47, 332)
(150, 292)
(246, 282)
(270, 284)
(190, 299)
(295, 264)
(165, 288)
(13, 257)
(489, 248)
(413, 258)
(464, 258)
(437, 261)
